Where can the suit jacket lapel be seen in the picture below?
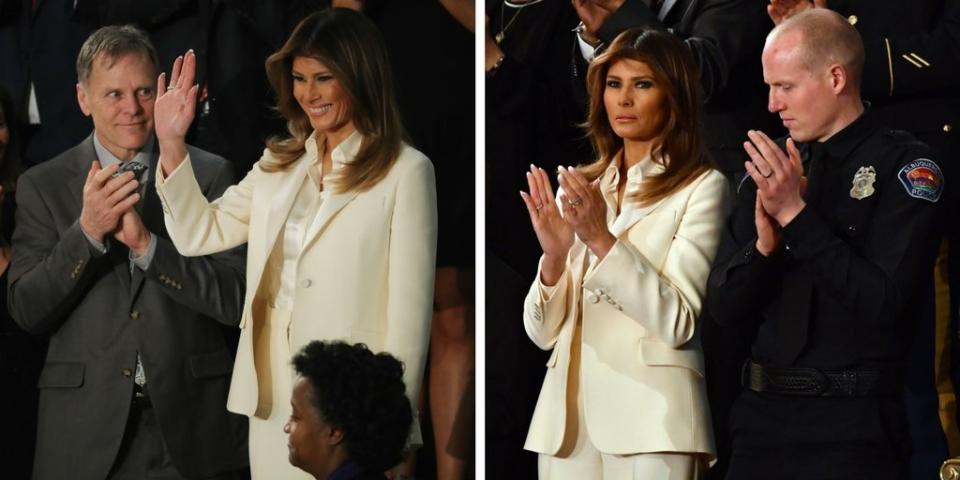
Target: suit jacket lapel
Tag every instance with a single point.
(634, 216)
(665, 9)
(151, 214)
(81, 166)
(328, 209)
(282, 192)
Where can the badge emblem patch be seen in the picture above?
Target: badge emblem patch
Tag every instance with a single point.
(863, 183)
(922, 179)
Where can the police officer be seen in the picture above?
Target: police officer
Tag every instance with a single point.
(910, 79)
(828, 247)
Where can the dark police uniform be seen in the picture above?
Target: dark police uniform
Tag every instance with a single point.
(910, 78)
(831, 309)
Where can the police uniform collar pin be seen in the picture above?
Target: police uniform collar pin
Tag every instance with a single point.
(863, 182)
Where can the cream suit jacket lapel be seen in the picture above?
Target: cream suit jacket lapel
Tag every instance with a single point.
(344, 153)
(281, 191)
(328, 209)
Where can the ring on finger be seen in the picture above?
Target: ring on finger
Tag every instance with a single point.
(539, 206)
(575, 202)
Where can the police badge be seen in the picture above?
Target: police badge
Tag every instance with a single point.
(863, 183)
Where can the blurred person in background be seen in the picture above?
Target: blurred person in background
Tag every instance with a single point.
(21, 355)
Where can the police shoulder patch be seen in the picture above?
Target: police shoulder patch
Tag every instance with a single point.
(922, 179)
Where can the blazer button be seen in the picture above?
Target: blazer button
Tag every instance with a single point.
(948, 128)
(305, 283)
(127, 372)
(593, 298)
(853, 19)
(134, 314)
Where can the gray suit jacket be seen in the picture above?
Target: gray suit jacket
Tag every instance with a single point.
(180, 315)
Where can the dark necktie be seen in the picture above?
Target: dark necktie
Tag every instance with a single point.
(793, 329)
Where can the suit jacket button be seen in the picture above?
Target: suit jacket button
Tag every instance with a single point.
(134, 314)
(593, 298)
(853, 19)
(947, 128)
(127, 372)
(305, 283)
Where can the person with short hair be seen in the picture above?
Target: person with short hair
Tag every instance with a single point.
(340, 219)
(350, 416)
(140, 352)
(623, 273)
(830, 245)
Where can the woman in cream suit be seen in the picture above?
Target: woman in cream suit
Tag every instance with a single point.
(627, 248)
(339, 219)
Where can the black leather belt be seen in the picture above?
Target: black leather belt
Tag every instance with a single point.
(813, 382)
(140, 397)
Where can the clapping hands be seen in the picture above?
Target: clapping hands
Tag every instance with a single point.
(584, 215)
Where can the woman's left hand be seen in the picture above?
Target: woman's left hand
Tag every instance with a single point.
(586, 211)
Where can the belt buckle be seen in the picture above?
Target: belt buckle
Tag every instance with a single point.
(849, 387)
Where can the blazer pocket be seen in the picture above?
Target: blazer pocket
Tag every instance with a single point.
(206, 365)
(655, 353)
(61, 375)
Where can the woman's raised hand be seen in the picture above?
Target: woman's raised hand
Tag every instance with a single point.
(553, 232)
(174, 110)
(585, 211)
(175, 106)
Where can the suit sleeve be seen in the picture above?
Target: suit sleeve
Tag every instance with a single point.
(903, 64)
(546, 309)
(50, 271)
(198, 226)
(213, 285)
(412, 260)
(721, 35)
(667, 302)
(741, 276)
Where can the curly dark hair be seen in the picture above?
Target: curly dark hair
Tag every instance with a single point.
(362, 394)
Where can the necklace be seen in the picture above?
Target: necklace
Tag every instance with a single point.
(519, 8)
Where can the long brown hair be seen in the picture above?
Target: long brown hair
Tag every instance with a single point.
(681, 150)
(351, 46)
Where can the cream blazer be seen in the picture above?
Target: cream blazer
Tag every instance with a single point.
(641, 362)
(366, 271)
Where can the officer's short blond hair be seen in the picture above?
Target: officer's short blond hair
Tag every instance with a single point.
(826, 38)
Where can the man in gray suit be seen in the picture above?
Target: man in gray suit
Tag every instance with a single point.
(136, 377)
